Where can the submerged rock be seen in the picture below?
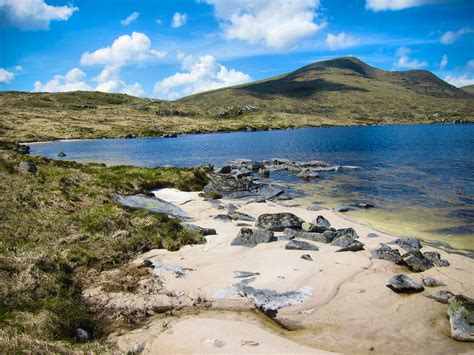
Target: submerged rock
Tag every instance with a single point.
(151, 204)
(441, 296)
(409, 244)
(300, 245)
(61, 154)
(417, 262)
(384, 252)
(461, 318)
(354, 246)
(251, 237)
(277, 222)
(431, 282)
(403, 284)
(435, 258)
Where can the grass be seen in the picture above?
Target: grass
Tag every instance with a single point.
(60, 226)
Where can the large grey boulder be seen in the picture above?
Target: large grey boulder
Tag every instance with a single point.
(28, 166)
(151, 204)
(417, 262)
(403, 284)
(384, 252)
(321, 221)
(277, 222)
(251, 237)
(300, 245)
(313, 228)
(461, 318)
(409, 244)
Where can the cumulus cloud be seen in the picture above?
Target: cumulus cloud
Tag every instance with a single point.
(18, 68)
(124, 50)
(340, 41)
(452, 36)
(32, 14)
(179, 19)
(108, 81)
(199, 74)
(444, 61)
(277, 24)
(6, 76)
(131, 18)
(404, 60)
(71, 81)
(459, 81)
(384, 5)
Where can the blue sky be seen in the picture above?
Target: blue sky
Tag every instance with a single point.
(172, 48)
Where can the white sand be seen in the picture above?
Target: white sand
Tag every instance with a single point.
(350, 310)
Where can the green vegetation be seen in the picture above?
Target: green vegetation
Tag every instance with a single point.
(58, 228)
(343, 91)
(469, 89)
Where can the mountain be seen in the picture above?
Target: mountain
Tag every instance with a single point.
(341, 91)
(469, 89)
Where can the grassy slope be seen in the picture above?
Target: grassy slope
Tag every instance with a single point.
(469, 89)
(343, 91)
(60, 226)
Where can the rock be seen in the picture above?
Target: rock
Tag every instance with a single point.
(22, 149)
(363, 205)
(264, 173)
(350, 232)
(138, 348)
(461, 318)
(251, 343)
(277, 222)
(314, 228)
(238, 216)
(226, 169)
(239, 174)
(354, 246)
(373, 235)
(409, 244)
(203, 231)
(441, 296)
(384, 252)
(417, 262)
(308, 174)
(316, 237)
(61, 154)
(244, 274)
(314, 208)
(306, 257)
(343, 241)
(320, 220)
(231, 207)
(28, 166)
(216, 204)
(151, 204)
(435, 258)
(82, 335)
(148, 264)
(177, 270)
(251, 237)
(431, 282)
(300, 245)
(343, 209)
(289, 234)
(222, 217)
(403, 284)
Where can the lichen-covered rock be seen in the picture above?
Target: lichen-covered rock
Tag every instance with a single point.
(409, 244)
(432, 282)
(435, 258)
(300, 245)
(313, 228)
(403, 284)
(277, 222)
(151, 204)
(320, 220)
(343, 241)
(384, 252)
(354, 246)
(442, 296)
(239, 216)
(251, 237)
(461, 318)
(417, 262)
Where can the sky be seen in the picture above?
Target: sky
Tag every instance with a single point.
(168, 49)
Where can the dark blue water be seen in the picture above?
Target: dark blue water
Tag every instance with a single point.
(419, 175)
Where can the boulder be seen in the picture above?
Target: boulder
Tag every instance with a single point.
(316, 237)
(226, 169)
(409, 244)
(264, 173)
(82, 335)
(306, 257)
(431, 282)
(277, 222)
(354, 246)
(22, 148)
(239, 216)
(343, 241)
(435, 258)
(222, 218)
(231, 207)
(201, 230)
(321, 221)
(151, 204)
(442, 296)
(384, 252)
(300, 245)
(403, 284)
(289, 234)
(350, 232)
(61, 154)
(28, 166)
(251, 237)
(417, 262)
(313, 228)
(461, 318)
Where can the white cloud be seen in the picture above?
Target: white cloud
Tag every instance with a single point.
(459, 81)
(470, 65)
(72, 81)
(340, 41)
(199, 74)
(131, 18)
(444, 61)
(405, 62)
(124, 50)
(384, 5)
(18, 68)
(452, 36)
(277, 24)
(6, 76)
(32, 14)
(179, 19)
(108, 81)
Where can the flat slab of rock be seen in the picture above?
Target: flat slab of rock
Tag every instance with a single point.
(252, 237)
(403, 284)
(461, 318)
(409, 244)
(277, 222)
(151, 204)
(432, 282)
(245, 274)
(354, 246)
(441, 296)
(239, 216)
(300, 245)
(387, 253)
(193, 228)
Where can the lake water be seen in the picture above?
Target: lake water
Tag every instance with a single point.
(420, 177)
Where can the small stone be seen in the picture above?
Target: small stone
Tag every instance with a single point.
(249, 343)
(343, 209)
(403, 284)
(61, 154)
(82, 335)
(306, 257)
(147, 263)
(373, 235)
(300, 245)
(431, 282)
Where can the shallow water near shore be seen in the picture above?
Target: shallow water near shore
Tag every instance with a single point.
(420, 177)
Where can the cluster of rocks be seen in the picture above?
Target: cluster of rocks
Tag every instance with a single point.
(233, 111)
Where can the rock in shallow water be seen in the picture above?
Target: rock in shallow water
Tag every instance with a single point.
(461, 318)
(409, 244)
(300, 245)
(403, 284)
(251, 237)
(277, 222)
(387, 253)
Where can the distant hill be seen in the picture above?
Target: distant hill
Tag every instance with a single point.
(341, 91)
(469, 89)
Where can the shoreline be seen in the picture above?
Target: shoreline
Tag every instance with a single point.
(347, 291)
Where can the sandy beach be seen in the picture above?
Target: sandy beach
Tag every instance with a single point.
(345, 305)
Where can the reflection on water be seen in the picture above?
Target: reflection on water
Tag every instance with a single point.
(420, 177)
